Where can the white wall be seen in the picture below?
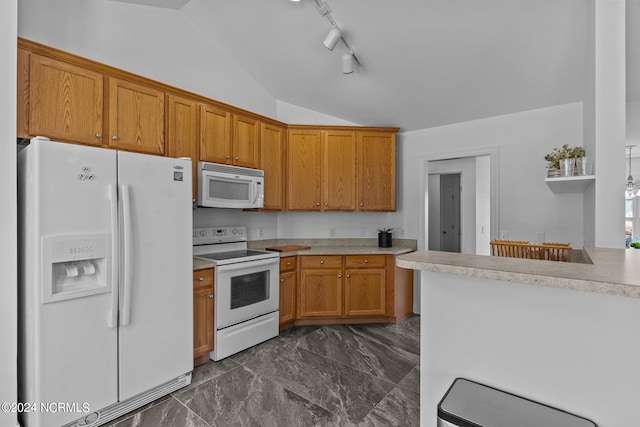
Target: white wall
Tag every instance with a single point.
(577, 351)
(161, 44)
(293, 114)
(527, 205)
(609, 122)
(8, 208)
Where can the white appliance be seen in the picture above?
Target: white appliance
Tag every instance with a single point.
(105, 288)
(224, 186)
(247, 289)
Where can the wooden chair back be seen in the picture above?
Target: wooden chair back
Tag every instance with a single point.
(524, 249)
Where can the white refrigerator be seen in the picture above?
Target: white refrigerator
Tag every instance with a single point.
(105, 281)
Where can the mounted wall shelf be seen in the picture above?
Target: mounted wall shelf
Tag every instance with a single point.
(570, 184)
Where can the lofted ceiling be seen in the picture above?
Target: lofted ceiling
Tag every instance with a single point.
(425, 63)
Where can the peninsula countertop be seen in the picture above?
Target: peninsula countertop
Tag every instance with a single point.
(611, 271)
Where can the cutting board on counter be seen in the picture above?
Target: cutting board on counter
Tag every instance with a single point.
(288, 248)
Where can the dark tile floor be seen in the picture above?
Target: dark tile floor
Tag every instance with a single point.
(355, 375)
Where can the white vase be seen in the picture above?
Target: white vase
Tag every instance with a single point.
(583, 166)
(567, 166)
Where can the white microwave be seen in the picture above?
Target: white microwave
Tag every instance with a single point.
(224, 186)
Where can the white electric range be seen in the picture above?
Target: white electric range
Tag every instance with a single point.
(246, 289)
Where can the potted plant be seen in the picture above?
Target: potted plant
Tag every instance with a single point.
(385, 237)
(561, 161)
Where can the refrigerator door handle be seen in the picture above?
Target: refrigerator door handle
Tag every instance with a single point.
(127, 252)
(113, 207)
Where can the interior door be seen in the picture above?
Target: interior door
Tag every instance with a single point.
(156, 310)
(450, 212)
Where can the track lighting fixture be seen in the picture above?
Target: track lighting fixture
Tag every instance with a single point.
(347, 63)
(348, 59)
(332, 38)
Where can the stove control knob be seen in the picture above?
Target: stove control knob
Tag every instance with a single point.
(240, 231)
(203, 233)
(234, 231)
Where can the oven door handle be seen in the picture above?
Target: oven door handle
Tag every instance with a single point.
(245, 264)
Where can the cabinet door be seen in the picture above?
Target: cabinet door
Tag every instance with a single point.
(182, 132)
(202, 321)
(376, 171)
(215, 134)
(365, 292)
(246, 142)
(203, 312)
(136, 117)
(272, 162)
(339, 170)
(22, 95)
(65, 101)
(304, 170)
(320, 292)
(287, 297)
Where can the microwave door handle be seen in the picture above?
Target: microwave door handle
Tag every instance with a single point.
(255, 192)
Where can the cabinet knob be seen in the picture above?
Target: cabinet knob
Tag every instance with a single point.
(366, 261)
(326, 203)
(348, 276)
(228, 157)
(321, 261)
(114, 137)
(98, 135)
(339, 276)
(318, 204)
(211, 296)
(361, 204)
(281, 280)
(201, 279)
(288, 263)
(237, 158)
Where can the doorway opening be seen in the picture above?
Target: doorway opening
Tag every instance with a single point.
(444, 212)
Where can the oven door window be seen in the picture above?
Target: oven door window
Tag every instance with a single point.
(249, 289)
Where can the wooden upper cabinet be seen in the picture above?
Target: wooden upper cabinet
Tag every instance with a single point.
(22, 95)
(215, 134)
(182, 132)
(304, 170)
(246, 142)
(376, 171)
(272, 139)
(65, 101)
(339, 170)
(136, 117)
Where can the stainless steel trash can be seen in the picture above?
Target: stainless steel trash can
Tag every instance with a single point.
(471, 404)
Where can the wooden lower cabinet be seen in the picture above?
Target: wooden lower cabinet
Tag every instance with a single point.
(364, 292)
(203, 315)
(353, 289)
(288, 282)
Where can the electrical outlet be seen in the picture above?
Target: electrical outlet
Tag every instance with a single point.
(260, 232)
(504, 235)
(540, 236)
(332, 232)
(400, 232)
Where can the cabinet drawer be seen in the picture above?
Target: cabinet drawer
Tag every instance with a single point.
(287, 264)
(203, 277)
(359, 261)
(321, 261)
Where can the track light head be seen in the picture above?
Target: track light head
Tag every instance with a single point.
(347, 63)
(332, 38)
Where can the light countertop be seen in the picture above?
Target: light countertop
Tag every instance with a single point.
(324, 247)
(612, 271)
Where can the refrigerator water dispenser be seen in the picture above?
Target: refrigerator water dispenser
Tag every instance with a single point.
(76, 266)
